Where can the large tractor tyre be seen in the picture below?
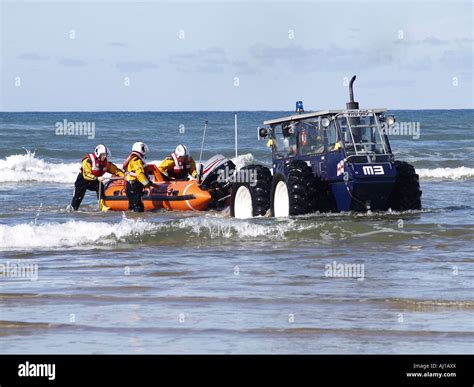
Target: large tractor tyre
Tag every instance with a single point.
(323, 200)
(296, 194)
(406, 194)
(251, 198)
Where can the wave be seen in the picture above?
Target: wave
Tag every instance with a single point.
(90, 234)
(219, 227)
(29, 168)
(26, 167)
(72, 234)
(460, 173)
(203, 228)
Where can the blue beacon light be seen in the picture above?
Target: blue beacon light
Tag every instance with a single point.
(299, 107)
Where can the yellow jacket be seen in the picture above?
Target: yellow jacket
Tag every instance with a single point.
(87, 169)
(167, 168)
(134, 169)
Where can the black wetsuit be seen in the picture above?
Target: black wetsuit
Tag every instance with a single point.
(134, 190)
(80, 188)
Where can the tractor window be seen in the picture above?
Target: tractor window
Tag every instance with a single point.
(311, 137)
(285, 140)
(334, 142)
(365, 134)
(346, 133)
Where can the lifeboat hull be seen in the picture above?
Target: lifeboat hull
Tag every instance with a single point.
(170, 195)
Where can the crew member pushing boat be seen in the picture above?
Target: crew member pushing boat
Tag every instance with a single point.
(135, 176)
(94, 166)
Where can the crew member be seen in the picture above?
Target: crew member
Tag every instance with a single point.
(179, 165)
(136, 179)
(91, 175)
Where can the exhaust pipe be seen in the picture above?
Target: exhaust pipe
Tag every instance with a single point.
(351, 104)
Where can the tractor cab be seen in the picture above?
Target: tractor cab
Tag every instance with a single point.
(360, 134)
(355, 132)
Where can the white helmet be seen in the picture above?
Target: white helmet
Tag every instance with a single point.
(181, 150)
(101, 150)
(140, 147)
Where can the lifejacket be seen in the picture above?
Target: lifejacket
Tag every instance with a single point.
(129, 158)
(303, 137)
(98, 167)
(182, 167)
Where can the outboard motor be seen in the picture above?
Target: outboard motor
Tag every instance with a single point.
(217, 176)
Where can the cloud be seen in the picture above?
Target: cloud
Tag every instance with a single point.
(32, 56)
(134, 66)
(415, 63)
(209, 60)
(434, 41)
(420, 55)
(70, 62)
(387, 83)
(456, 60)
(242, 67)
(333, 58)
(462, 41)
(118, 44)
(261, 57)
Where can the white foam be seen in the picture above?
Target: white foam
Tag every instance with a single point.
(29, 168)
(216, 227)
(460, 173)
(26, 167)
(85, 234)
(227, 228)
(243, 160)
(70, 234)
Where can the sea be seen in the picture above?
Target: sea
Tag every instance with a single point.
(92, 282)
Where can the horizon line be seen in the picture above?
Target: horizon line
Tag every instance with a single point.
(202, 111)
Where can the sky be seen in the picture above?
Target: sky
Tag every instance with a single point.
(234, 55)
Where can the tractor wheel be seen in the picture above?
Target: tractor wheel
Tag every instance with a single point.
(323, 199)
(294, 195)
(251, 198)
(406, 194)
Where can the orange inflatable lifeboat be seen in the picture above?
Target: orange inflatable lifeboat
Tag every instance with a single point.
(171, 195)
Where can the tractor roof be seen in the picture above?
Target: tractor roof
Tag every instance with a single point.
(299, 116)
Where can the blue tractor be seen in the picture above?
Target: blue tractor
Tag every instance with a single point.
(327, 161)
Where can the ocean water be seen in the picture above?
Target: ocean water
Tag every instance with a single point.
(169, 282)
